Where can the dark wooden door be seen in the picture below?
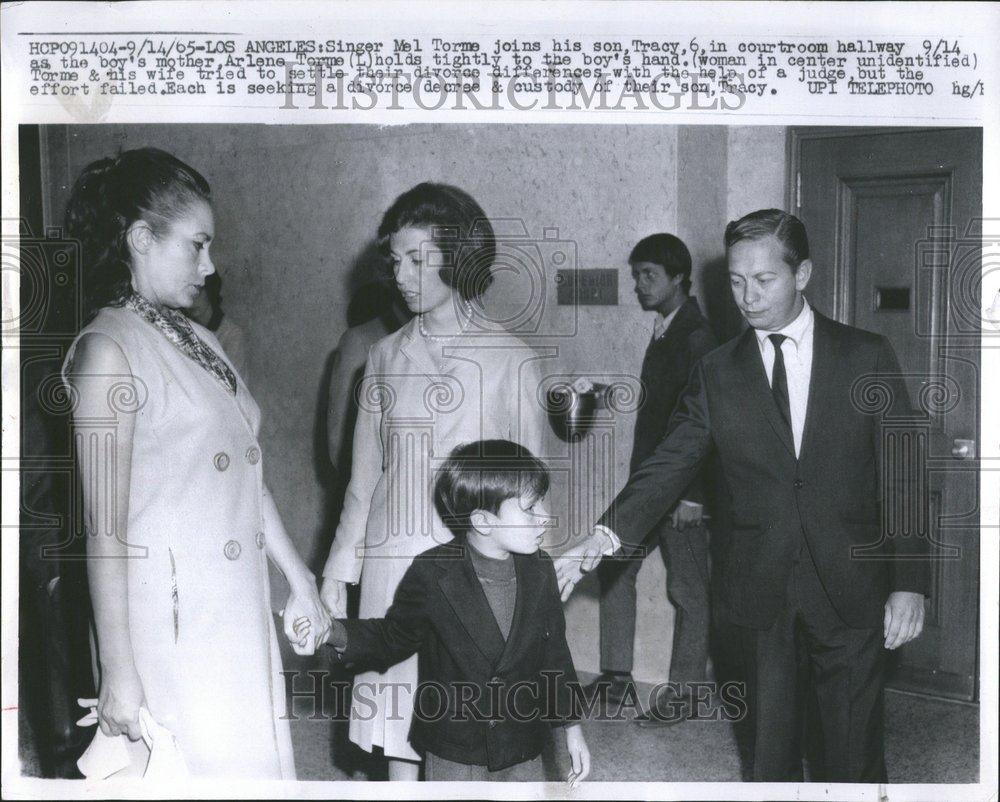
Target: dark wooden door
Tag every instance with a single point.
(894, 222)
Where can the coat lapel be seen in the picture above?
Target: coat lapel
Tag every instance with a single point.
(758, 390)
(465, 595)
(822, 382)
(687, 319)
(527, 568)
(412, 347)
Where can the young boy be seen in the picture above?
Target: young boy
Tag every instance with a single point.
(484, 616)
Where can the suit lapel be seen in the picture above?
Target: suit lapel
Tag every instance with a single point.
(758, 390)
(822, 382)
(529, 588)
(686, 320)
(461, 588)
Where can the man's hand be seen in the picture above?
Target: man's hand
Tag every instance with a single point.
(687, 513)
(573, 563)
(904, 618)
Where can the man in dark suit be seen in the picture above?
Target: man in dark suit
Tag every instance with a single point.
(809, 576)
(661, 270)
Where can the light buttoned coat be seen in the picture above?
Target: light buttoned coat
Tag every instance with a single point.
(202, 632)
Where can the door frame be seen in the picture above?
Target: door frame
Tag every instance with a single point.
(799, 134)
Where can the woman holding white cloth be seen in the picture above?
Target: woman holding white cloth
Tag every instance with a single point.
(179, 521)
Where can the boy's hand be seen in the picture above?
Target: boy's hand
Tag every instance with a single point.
(579, 754)
(302, 627)
(335, 635)
(304, 603)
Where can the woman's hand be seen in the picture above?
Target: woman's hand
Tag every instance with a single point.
(305, 603)
(579, 754)
(118, 703)
(334, 596)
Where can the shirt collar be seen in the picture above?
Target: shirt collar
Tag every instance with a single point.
(796, 331)
(661, 324)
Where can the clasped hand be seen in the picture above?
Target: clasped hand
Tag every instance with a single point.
(305, 604)
(573, 563)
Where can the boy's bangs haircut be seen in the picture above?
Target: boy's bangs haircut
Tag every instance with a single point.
(482, 476)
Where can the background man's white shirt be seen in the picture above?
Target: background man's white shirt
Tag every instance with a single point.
(661, 324)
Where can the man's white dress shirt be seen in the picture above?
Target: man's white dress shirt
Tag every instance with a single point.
(797, 350)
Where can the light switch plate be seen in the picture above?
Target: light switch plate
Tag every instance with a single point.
(596, 287)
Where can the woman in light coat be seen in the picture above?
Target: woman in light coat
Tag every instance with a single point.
(179, 521)
(441, 380)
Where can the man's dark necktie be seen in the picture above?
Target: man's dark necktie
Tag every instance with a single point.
(779, 380)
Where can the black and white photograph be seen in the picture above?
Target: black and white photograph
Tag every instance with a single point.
(357, 372)
(606, 458)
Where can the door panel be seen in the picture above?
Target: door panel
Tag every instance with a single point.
(892, 217)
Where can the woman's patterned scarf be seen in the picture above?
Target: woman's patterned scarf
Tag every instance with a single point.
(177, 328)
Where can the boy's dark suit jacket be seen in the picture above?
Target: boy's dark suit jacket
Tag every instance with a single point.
(829, 495)
(440, 611)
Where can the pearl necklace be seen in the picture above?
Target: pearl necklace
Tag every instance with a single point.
(442, 361)
(437, 351)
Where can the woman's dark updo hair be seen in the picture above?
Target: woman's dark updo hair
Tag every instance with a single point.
(109, 196)
(459, 228)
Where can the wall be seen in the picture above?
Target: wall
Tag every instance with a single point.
(297, 208)
(755, 169)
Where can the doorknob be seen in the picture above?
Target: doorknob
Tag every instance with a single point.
(964, 449)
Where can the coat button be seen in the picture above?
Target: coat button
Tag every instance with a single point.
(253, 455)
(260, 540)
(798, 483)
(493, 723)
(221, 461)
(232, 550)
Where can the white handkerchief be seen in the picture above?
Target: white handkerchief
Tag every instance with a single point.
(155, 757)
(106, 755)
(165, 759)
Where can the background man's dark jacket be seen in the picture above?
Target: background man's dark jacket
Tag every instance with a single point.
(666, 368)
(440, 611)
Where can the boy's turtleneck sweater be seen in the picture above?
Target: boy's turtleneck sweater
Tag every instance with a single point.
(499, 582)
